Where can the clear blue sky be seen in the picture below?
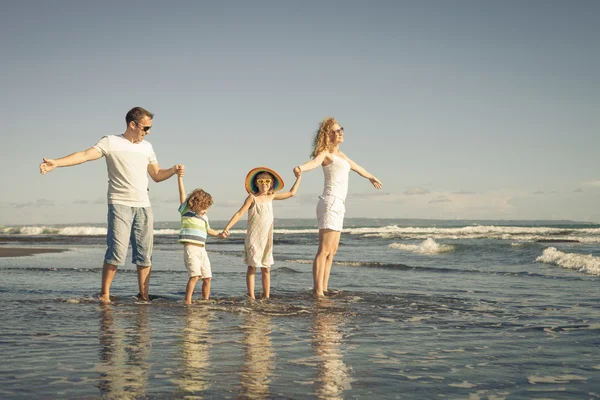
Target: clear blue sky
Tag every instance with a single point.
(463, 109)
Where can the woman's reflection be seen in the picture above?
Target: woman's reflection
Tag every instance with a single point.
(333, 376)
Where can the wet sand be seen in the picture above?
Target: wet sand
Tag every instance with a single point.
(23, 251)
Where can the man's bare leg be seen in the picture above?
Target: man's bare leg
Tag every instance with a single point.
(143, 274)
(108, 274)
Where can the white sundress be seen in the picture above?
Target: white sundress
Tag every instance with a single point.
(258, 245)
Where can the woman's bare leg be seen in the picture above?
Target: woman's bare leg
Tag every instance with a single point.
(328, 243)
(333, 251)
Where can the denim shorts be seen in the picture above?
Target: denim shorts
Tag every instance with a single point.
(126, 225)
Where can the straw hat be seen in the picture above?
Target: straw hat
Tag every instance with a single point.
(251, 184)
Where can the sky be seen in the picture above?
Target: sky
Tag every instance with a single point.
(463, 109)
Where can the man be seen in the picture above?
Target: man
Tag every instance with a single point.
(129, 161)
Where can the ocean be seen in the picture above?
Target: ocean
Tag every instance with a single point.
(418, 309)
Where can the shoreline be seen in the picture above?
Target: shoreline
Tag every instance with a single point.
(25, 251)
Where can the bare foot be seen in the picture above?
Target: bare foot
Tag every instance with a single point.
(250, 297)
(142, 298)
(319, 294)
(104, 299)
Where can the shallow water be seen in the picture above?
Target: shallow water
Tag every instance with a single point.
(481, 320)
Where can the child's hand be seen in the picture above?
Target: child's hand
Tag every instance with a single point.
(179, 169)
(297, 172)
(224, 235)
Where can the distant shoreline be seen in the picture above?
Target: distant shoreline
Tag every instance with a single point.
(24, 251)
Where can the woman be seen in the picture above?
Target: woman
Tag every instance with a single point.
(330, 209)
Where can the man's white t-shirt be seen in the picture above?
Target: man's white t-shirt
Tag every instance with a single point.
(127, 165)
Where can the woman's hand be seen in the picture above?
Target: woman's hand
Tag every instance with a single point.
(376, 182)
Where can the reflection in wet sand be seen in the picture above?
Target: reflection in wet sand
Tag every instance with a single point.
(124, 354)
(195, 374)
(259, 356)
(333, 376)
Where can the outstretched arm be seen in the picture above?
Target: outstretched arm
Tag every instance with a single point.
(215, 233)
(363, 172)
(292, 192)
(180, 173)
(158, 175)
(236, 217)
(72, 159)
(312, 164)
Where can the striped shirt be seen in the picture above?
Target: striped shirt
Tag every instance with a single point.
(194, 227)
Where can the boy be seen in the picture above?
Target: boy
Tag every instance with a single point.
(194, 230)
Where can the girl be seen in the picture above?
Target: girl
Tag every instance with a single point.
(261, 185)
(330, 209)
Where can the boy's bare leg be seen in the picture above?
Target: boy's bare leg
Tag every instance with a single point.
(189, 289)
(206, 289)
(143, 274)
(250, 273)
(266, 282)
(108, 274)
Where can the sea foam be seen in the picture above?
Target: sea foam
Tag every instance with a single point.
(580, 262)
(428, 246)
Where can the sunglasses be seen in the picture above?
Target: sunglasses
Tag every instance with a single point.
(144, 128)
(264, 181)
(336, 131)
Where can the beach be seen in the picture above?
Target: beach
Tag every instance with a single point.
(418, 309)
(24, 251)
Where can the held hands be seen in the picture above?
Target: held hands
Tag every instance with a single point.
(224, 234)
(376, 182)
(47, 165)
(179, 169)
(297, 172)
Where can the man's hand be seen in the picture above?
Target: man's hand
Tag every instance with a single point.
(47, 166)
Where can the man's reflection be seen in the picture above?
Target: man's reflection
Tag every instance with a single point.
(259, 355)
(195, 376)
(333, 377)
(124, 353)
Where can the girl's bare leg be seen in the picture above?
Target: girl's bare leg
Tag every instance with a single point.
(206, 289)
(250, 281)
(328, 243)
(266, 282)
(189, 289)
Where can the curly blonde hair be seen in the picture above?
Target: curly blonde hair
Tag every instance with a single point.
(199, 200)
(321, 140)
